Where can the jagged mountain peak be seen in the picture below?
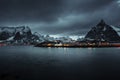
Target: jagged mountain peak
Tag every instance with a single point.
(102, 26)
(103, 32)
(101, 23)
(11, 31)
(37, 34)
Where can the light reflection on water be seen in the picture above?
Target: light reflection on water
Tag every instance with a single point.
(63, 62)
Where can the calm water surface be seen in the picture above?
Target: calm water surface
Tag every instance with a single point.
(32, 63)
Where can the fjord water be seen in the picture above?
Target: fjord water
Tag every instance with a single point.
(34, 63)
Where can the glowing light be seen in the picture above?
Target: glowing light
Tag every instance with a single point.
(49, 44)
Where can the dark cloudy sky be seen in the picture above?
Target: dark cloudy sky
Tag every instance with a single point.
(66, 17)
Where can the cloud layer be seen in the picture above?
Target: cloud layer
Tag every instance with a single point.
(69, 17)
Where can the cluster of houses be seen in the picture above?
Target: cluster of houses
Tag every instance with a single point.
(77, 44)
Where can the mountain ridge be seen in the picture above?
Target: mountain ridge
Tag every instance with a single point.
(102, 32)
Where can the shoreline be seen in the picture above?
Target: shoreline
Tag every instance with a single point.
(77, 46)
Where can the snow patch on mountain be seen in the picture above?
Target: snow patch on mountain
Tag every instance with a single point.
(116, 29)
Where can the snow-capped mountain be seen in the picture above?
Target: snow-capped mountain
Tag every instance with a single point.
(48, 38)
(7, 32)
(64, 39)
(102, 32)
(116, 29)
(24, 35)
(18, 35)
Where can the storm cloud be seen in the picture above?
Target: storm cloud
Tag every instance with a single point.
(67, 17)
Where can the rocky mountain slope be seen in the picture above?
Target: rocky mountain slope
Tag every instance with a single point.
(102, 32)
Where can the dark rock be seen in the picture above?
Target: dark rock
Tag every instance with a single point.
(102, 32)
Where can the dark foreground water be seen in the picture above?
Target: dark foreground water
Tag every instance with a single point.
(31, 63)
